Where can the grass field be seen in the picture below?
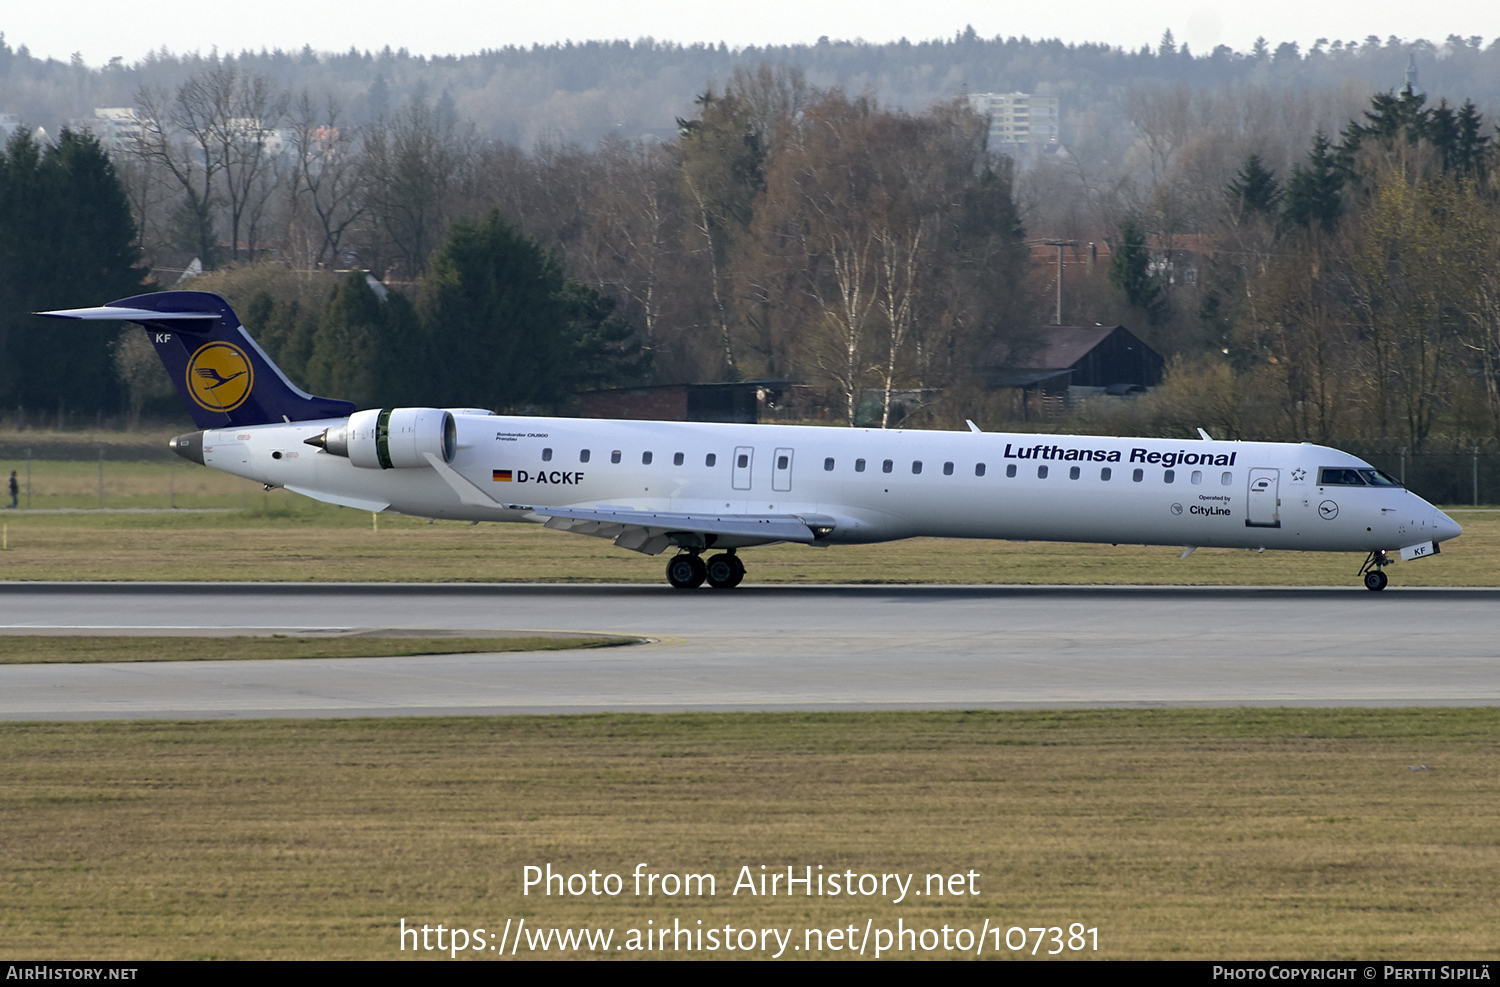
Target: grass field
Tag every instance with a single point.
(279, 536)
(1176, 833)
(33, 649)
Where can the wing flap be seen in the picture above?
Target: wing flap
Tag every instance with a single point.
(771, 527)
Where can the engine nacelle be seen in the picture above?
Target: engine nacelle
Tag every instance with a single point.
(391, 438)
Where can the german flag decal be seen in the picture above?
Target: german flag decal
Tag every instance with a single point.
(502, 476)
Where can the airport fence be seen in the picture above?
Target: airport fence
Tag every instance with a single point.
(1469, 476)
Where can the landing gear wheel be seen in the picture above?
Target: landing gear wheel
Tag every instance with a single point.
(725, 571)
(1375, 580)
(686, 572)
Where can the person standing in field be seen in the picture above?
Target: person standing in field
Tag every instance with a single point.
(15, 488)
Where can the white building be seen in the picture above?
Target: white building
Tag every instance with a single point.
(1020, 119)
(117, 127)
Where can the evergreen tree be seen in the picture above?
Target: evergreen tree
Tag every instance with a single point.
(1312, 193)
(507, 329)
(1130, 272)
(66, 240)
(1254, 190)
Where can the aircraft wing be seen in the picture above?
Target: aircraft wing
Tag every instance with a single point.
(771, 527)
(650, 532)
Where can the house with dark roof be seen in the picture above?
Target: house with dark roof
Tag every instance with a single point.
(738, 401)
(1071, 362)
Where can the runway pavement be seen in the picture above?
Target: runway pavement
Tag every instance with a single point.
(772, 647)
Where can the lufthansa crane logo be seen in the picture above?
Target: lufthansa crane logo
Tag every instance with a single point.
(219, 376)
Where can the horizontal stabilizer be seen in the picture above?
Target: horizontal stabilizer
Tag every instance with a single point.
(121, 314)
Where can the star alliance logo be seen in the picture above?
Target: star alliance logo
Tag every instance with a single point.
(1298, 475)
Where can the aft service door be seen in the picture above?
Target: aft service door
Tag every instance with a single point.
(781, 471)
(744, 459)
(1264, 504)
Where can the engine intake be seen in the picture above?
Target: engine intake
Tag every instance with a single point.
(391, 438)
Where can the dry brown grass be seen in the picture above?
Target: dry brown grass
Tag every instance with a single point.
(287, 539)
(53, 649)
(1178, 834)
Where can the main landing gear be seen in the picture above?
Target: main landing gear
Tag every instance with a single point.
(1373, 571)
(688, 571)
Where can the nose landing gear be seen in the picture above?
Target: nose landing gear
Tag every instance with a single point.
(1373, 571)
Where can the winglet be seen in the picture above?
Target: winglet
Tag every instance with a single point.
(972, 427)
(1205, 436)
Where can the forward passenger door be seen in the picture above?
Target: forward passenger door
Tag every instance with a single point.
(1264, 502)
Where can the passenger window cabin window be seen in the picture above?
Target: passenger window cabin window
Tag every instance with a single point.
(1074, 473)
(916, 466)
(1106, 473)
(1226, 479)
(947, 469)
(744, 460)
(859, 466)
(828, 464)
(1170, 476)
(979, 469)
(546, 455)
(1138, 475)
(1197, 476)
(887, 466)
(645, 459)
(1041, 472)
(782, 462)
(583, 455)
(1010, 469)
(710, 460)
(614, 456)
(677, 459)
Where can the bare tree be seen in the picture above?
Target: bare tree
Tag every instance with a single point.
(414, 162)
(166, 145)
(328, 173)
(633, 227)
(217, 132)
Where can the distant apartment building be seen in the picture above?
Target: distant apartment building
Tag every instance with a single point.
(10, 123)
(1020, 120)
(116, 127)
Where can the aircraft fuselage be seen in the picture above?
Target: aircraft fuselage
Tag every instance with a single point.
(876, 484)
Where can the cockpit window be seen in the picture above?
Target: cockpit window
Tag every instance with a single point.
(1330, 476)
(1376, 478)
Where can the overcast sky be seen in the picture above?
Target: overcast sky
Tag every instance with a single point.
(102, 29)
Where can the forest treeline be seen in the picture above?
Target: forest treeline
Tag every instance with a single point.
(1334, 284)
(580, 92)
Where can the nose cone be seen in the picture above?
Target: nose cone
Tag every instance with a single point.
(1444, 526)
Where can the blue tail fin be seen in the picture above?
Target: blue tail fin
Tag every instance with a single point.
(225, 378)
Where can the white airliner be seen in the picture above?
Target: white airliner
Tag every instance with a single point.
(700, 488)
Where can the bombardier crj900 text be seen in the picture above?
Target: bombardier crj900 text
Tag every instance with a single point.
(706, 489)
